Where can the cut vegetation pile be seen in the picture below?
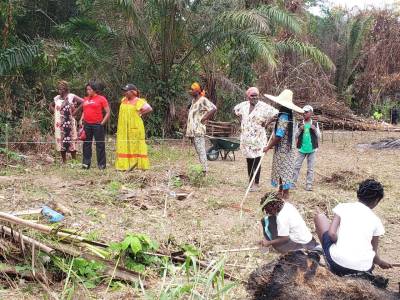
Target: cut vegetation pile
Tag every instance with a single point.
(389, 143)
(344, 179)
(300, 276)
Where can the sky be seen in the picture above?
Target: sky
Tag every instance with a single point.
(361, 3)
(355, 3)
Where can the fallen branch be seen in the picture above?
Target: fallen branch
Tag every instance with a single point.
(236, 250)
(32, 242)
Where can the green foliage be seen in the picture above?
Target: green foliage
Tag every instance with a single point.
(88, 271)
(176, 182)
(17, 56)
(196, 175)
(133, 250)
(352, 39)
(10, 154)
(79, 270)
(161, 46)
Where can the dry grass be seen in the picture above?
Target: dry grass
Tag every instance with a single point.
(210, 218)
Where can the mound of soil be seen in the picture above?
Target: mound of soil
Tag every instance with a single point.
(300, 276)
(345, 179)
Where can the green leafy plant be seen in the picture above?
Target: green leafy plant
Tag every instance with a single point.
(88, 271)
(176, 182)
(133, 251)
(79, 270)
(196, 175)
(10, 154)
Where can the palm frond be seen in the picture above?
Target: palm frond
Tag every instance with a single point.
(86, 29)
(357, 33)
(280, 17)
(306, 50)
(17, 56)
(262, 47)
(242, 19)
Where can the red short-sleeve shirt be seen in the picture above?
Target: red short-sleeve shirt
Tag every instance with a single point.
(93, 109)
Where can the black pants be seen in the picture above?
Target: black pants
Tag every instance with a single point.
(252, 164)
(96, 131)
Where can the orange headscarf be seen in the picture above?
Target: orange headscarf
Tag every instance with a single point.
(196, 87)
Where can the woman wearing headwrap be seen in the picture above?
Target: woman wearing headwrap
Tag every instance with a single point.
(131, 139)
(64, 123)
(200, 111)
(255, 115)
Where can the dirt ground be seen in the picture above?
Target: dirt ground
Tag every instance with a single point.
(210, 217)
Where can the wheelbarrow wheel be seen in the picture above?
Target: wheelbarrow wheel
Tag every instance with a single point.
(212, 153)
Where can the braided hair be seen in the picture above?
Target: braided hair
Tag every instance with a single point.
(271, 203)
(369, 191)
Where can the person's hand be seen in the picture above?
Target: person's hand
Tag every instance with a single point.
(265, 150)
(264, 243)
(384, 265)
(301, 127)
(313, 127)
(204, 122)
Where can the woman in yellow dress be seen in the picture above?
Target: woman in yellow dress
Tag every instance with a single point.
(131, 139)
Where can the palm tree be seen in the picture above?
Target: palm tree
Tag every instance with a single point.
(173, 34)
(352, 41)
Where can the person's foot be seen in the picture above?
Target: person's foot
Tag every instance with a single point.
(309, 187)
(85, 167)
(255, 188)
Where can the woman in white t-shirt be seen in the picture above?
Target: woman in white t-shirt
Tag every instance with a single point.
(284, 228)
(350, 242)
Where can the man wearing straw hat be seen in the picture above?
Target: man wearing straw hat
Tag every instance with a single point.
(255, 115)
(283, 141)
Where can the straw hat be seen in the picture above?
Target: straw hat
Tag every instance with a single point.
(285, 99)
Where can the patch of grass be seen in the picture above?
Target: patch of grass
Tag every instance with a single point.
(113, 187)
(93, 235)
(92, 212)
(163, 152)
(36, 192)
(215, 204)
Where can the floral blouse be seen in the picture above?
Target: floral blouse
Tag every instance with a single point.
(253, 136)
(197, 111)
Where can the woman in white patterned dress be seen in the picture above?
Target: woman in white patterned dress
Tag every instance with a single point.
(65, 131)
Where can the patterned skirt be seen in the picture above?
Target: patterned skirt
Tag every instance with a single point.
(283, 163)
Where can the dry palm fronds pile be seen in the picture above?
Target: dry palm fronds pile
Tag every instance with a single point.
(389, 143)
(300, 276)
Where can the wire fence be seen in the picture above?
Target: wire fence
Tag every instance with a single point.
(342, 135)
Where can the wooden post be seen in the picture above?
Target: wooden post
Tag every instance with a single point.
(322, 133)
(333, 132)
(7, 137)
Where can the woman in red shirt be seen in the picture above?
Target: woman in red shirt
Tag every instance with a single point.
(94, 107)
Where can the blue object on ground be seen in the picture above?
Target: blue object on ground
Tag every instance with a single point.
(52, 215)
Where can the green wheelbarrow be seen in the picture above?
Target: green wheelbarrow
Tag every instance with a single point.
(224, 147)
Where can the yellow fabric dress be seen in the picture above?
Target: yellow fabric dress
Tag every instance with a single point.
(131, 140)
